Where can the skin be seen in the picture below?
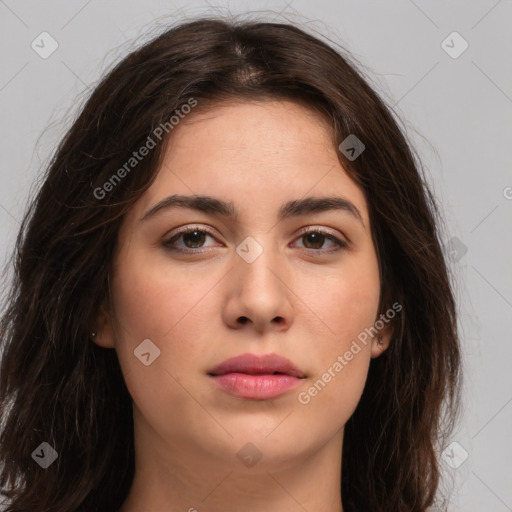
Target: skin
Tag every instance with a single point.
(188, 432)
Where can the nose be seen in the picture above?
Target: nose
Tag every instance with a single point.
(259, 294)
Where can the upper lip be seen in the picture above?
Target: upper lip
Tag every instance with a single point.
(257, 364)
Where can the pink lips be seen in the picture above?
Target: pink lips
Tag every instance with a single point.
(256, 377)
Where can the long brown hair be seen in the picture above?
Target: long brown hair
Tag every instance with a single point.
(56, 386)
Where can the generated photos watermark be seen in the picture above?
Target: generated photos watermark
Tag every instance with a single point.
(304, 397)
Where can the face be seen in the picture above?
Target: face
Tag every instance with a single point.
(245, 280)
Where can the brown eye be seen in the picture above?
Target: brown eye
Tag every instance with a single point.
(314, 240)
(192, 238)
(196, 238)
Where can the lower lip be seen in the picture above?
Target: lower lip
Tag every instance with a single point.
(257, 387)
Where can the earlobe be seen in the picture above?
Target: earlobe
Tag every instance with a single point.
(380, 343)
(102, 334)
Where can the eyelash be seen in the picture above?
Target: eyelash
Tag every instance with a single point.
(168, 243)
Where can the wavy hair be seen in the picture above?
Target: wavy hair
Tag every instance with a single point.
(57, 386)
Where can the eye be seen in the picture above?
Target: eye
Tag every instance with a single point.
(315, 238)
(193, 237)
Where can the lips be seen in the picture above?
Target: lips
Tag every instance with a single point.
(250, 376)
(252, 364)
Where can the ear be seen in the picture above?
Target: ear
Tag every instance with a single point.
(381, 341)
(104, 332)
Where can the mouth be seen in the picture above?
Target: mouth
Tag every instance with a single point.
(253, 364)
(256, 377)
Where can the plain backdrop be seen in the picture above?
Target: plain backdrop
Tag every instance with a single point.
(455, 103)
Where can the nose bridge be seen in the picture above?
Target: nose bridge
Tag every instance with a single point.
(260, 282)
(258, 263)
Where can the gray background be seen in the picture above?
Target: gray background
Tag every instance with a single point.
(457, 113)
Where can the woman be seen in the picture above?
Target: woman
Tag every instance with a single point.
(229, 292)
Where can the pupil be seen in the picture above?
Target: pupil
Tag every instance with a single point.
(314, 238)
(194, 235)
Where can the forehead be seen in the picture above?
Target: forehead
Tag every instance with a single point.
(265, 128)
(253, 153)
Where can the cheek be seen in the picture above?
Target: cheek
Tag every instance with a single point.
(164, 305)
(335, 389)
(153, 296)
(345, 301)
(170, 308)
(347, 304)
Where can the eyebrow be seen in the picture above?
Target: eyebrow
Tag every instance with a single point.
(227, 209)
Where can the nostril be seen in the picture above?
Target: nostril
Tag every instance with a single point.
(243, 319)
